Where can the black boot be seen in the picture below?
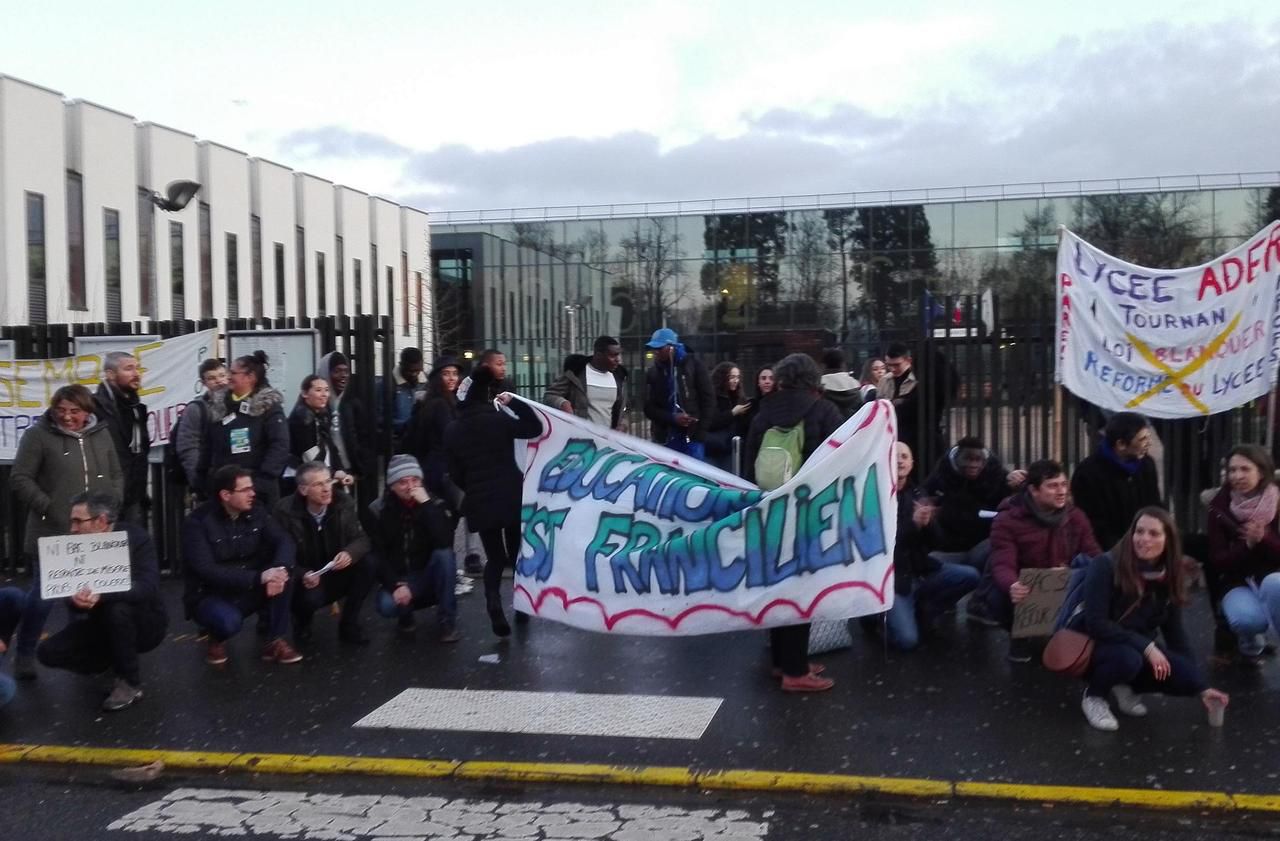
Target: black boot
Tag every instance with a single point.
(493, 604)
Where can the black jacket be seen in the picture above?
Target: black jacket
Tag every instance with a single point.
(960, 499)
(572, 386)
(788, 407)
(144, 571)
(254, 436)
(311, 430)
(340, 530)
(405, 536)
(480, 447)
(911, 560)
(1110, 616)
(693, 392)
(122, 416)
(1110, 497)
(227, 557)
(424, 440)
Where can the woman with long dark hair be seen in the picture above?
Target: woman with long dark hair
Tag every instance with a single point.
(247, 426)
(480, 447)
(311, 430)
(1132, 609)
(424, 437)
(1244, 549)
(730, 418)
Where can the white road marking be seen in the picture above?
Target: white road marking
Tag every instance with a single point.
(334, 817)
(561, 713)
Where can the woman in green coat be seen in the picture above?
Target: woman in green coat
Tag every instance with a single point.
(64, 453)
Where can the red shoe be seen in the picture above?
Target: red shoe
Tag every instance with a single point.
(216, 653)
(814, 669)
(806, 683)
(280, 651)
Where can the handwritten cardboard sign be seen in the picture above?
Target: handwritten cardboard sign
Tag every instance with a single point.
(71, 561)
(1034, 615)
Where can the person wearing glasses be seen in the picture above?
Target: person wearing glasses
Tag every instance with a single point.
(246, 427)
(331, 553)
(66, 452)
(238, 562)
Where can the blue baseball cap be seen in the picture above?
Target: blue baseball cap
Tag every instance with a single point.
(662, 337)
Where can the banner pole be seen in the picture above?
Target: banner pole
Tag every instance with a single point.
(1057, 385)
(1271, 419)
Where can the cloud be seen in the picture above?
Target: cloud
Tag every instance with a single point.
(339, 142)
(1155, 101)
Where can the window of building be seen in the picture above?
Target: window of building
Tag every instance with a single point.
(322, 297)
(233, 277)
(279, 278)
(111, 261)
(146, 254)
(391, 294)
(340, 259)
(206, 263)
(373, 276)
(417, 279)
(404, 290)
(359, 285)
(37, 292)
(177, 272)
(77, 299)
(301, 261)
(255, 263)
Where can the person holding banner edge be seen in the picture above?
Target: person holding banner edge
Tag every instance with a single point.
(110, 630)
(796, 402)
(66, 452)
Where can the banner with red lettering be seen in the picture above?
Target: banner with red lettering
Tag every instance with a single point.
(170, 380)
(1169, 343)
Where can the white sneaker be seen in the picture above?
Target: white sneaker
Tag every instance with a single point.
(1128, 702)
(1099, 714)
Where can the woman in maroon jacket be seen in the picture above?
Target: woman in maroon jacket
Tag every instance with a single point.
(1244, 547)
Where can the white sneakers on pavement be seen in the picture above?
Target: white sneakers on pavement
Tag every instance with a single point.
(1128, 702)
(1099, 714)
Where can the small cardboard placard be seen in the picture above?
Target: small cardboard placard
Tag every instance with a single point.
(71, 561)
(1034, 616)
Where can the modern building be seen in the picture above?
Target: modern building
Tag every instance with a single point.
(81, 239)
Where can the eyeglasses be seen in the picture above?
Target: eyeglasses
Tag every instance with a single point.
(80, 521)
(242, 490)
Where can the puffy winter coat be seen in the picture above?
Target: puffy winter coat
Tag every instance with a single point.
(252, 434)
(1019, 540)
(480, 446)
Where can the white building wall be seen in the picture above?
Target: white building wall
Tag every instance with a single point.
(272, 201)
(415, 239)
(384, 231)
(164, 155)
(352, 219)
(32, 159)
(98, 140)
(314, 200)
(224, 172)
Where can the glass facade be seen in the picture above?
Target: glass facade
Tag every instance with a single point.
(37, 292)
(111, 261)
(233, 277)
(146, 254)
(77, 297)
(177, 273)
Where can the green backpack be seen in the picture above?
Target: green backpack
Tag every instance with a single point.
(781, 454)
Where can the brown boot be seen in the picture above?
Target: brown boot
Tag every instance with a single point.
(279, 651)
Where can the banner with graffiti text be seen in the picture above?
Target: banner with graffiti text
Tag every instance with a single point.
(1169, 343)
(627, 537)
(169, 382)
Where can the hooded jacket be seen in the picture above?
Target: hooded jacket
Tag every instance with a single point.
(356, 430)
(252, 434)
(572, 386)
(1230, 555)
(190, 442)
(960, 499)
(480, 447)
(1110, 495)
(844, 390)
(53, 465)
(311, 437)
(424, 437)
(1019, 540)
(127, 419)
(693, 393)
(787, 407)
(405, 396)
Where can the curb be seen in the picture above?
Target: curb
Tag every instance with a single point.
(668, 777)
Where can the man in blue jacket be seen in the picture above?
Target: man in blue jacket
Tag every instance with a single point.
(679, 398)
(110, 630)
(238, 562)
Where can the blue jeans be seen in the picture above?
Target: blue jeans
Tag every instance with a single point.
(1116, 663)
(1249, 610)
(432, 585)
(975, 557)
(12, 601)
(929, 598)
(222, 615)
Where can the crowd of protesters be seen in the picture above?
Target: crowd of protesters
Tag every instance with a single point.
(276, 533)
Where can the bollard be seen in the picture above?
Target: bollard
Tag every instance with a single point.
(736, 449)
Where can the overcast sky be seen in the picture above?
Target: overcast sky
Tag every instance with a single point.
(496, 104)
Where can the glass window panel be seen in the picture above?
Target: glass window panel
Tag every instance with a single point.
(177, 271)
(37, 295)
(233, 277)
(111, 261)
(77, 298)
(146, 254)
(1235, 213)
(975, 224)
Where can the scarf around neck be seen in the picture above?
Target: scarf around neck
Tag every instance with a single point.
(1130, 467)
(1049, 520)
(1256, 507)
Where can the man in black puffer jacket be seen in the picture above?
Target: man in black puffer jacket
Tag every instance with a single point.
(796, 400)
(967, 481)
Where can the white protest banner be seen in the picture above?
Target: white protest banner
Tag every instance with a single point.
(71, 561)
(1169, 343)
(625, 536)
(169, 382)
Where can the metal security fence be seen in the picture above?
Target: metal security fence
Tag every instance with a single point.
(366, 340)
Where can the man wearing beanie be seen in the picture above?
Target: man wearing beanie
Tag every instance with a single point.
(413, 548)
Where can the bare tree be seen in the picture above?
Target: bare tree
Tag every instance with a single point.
(813, 275)
(1160, 230)
(652, 269)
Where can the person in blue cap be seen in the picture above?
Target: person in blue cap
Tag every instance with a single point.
(679, 398)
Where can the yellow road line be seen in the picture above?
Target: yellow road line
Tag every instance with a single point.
(669, 777)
